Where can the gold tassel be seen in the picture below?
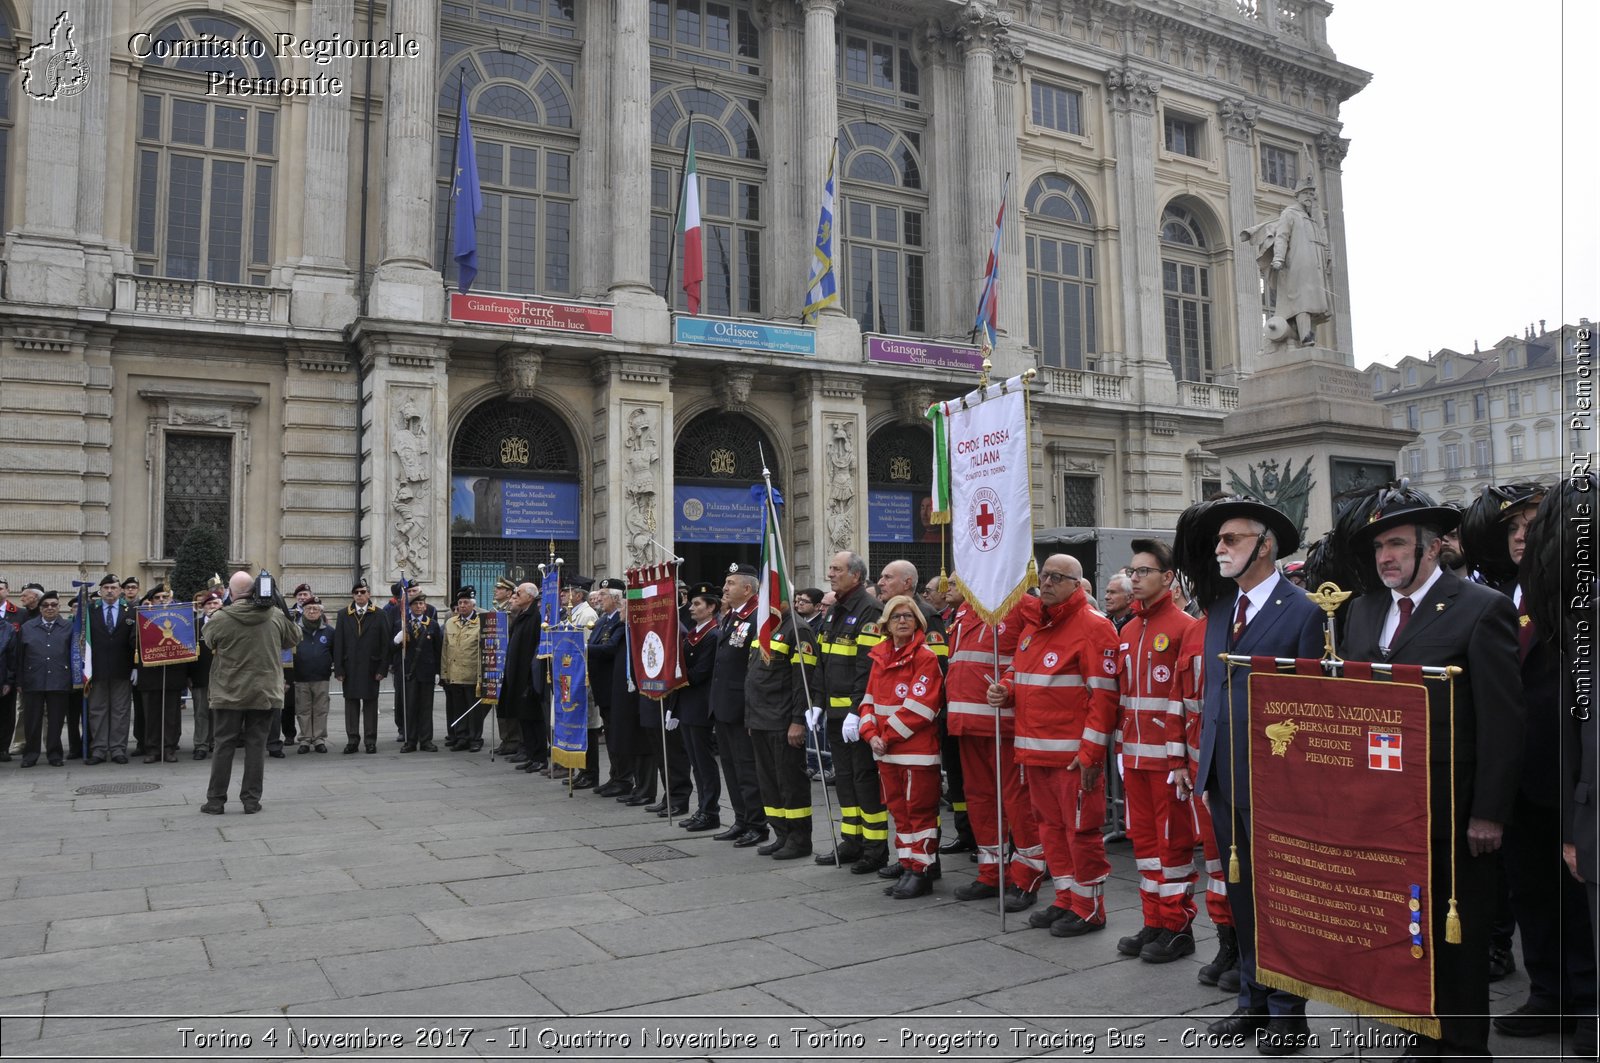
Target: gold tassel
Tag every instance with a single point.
(1233, 863)
(1452, 925)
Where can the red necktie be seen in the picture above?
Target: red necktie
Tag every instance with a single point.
(1406, 605)
(1238, 620)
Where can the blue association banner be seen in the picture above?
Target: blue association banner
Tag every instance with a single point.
(549, 602)
(493, 629)
(167, 635)
(715, 515)
(569, 733)
(743, 335)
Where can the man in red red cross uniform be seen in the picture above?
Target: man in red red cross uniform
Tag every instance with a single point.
(970, 720)
(1063, 683)
(1160, 826)
(1183, 756)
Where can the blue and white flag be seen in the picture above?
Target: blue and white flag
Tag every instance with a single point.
(822, 286)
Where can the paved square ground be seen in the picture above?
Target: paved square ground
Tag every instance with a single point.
(382, 897)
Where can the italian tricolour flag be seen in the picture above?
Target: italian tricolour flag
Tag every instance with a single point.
(774, 591)
(694, 263)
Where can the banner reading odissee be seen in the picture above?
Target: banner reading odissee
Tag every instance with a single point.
(991, 508)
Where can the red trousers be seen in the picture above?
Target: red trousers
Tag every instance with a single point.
(1163, 834)
(1070, 819)
(911, 794)
(1026, 866)
(1216, 883)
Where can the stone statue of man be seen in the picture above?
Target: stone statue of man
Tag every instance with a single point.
(1299, 263)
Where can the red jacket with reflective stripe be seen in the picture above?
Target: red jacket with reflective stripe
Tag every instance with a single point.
(1149, 653)
(1063, 681)
(966, 687)
(902, 702)
(1188, 692)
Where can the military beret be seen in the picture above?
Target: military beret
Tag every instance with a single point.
(744, 570)
(578, 583)
(395, 589)
(359, 585)
(50, 596)
(33, 587)
(108, 580)
(302, 587)
(466, 592)
(313, 600)
(613, 584)
(131, 581)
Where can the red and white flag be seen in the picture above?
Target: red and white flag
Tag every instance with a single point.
(774, 591)
(694, 262)
(1383, 751)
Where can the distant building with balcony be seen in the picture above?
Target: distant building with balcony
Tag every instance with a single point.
(240, 309)
(1497, 415)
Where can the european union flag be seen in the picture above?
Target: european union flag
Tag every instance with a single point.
(468, 198)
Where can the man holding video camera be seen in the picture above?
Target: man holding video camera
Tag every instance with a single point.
(247, 640)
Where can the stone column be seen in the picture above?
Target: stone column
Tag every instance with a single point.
(592, 258)
(1238, 125)
(1331, 149)
(949, 301)
(1133, 105)
(828, 490)
(790, 233)
(979, 27)
(324, 285)
(641, 313)
(1008, 55)
(838, 334)
(633, 473)
(93, 39)
(408, 285)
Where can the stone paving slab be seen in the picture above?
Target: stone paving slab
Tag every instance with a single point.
(244, 948)
(302, 908)
(460, 961)
(96, 930)
(666, 975)
(511, 917)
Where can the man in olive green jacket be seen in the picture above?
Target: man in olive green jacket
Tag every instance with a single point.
(247, 640)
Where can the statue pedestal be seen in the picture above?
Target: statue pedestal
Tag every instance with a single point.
(1308, 418)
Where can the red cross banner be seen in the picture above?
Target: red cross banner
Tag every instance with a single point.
(984, 440)
(1339, 842)
(653, 636)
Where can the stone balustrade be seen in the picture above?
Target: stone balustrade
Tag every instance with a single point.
(201, 300)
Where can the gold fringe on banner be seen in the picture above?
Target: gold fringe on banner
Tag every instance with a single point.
(566, 758)
(1422, 1024)
(1452, 921)
(1030, 579)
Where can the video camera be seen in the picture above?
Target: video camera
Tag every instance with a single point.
(264, 593)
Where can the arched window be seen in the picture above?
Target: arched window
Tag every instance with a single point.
(522, 126)
(1063, 319)
(724, 447)
(1186, 295)
(715, 33)
(204, 190)
(899, 475)
(884, 242)
(727, 148)
(514, 487)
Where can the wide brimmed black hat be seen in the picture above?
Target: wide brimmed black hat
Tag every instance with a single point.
(1506, 499)
(1225, 509)
(1405, 504)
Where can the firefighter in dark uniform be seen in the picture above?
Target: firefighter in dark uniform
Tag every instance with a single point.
(775, 707)
(844, 639)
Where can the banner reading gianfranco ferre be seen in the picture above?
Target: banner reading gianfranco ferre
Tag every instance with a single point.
(1339, 844)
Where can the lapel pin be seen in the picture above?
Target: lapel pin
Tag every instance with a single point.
(1278, 601)
(1439, 608)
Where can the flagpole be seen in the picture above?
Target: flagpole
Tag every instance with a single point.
(450, 214)
(805, 685)
(677, 215)
(999, 792)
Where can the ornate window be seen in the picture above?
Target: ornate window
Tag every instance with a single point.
(1080, 501)
(1279, 166)
(1187, 295)
(1182, 135)
(723, 447)
(521, 110)
(198, 481)
(1056, 108)
(875, 65)
(727, 150)
(1062, 274)
(884, 238)
(503, 436)
(204, 185)
(714, 33)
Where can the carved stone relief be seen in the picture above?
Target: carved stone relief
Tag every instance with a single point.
(841, 484)
(409, 540)
(518, 370)
(641, 461)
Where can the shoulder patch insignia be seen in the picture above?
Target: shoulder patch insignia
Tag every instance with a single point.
(869, 629)
(1122, 646)
(933, 638)
(1111, 653)
(849, 619)
(1025, 640)
(1162, 642)
(1110, 666)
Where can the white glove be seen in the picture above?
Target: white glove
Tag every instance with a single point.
(852, 728)
(398, 635)
(1172, 781)
(813, 716)
(672, 722)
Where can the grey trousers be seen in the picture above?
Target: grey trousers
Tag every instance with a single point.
(228, 724)
(110, 708)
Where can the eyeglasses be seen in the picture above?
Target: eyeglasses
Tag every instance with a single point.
(1057, 577)
(1232, 539)
(1142, 571)
(903, 616)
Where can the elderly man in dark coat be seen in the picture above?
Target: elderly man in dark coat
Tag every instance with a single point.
(362, 640)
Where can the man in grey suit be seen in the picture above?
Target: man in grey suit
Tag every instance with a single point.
(1253, 612)
(1428, 615)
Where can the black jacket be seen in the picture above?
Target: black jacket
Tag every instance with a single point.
(693, 702)
(732, 664)
(605, 643)
(361, 646)
(774, 692)
(44, 658)
(524, 678)
(844, 643)
(113, 648)
(422, 651)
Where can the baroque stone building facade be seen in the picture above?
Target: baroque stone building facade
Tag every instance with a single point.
(1513, 412)
(237, 309)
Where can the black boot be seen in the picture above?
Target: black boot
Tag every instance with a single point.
(1227, 957)
(873, 856)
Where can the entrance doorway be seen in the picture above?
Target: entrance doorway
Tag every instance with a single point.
(716, 519)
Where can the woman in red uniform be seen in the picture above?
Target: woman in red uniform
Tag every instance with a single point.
(902, 702)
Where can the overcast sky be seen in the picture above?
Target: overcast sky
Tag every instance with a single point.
(1472, 186)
